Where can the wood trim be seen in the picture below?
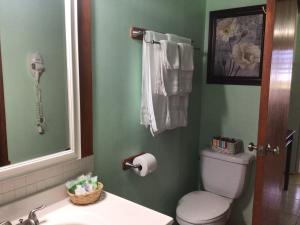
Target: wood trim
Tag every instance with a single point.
(274, 103)
(263, 112)
(3, 136)
(85, 76)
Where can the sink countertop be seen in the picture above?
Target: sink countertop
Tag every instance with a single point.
(110, 210)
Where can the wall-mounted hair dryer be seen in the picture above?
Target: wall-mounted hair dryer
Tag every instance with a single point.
(37, 68)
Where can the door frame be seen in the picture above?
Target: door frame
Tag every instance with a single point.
(4, 161)
(273, 113)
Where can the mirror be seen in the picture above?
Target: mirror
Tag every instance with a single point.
(40, 82)
(34, 64)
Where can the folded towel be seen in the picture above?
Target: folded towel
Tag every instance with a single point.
(169, 67)
(172, 119)
(170, 81)
(186, 68)
(162, 110)
(185, 82)
(183, 112)
(169, 54)
(186, 57)
(177, 113)
(178, 39)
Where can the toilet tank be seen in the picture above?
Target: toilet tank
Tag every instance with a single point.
(224, 174)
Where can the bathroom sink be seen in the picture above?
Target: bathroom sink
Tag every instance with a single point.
(65, 216)
(70, 223)
(76, 219)
(109, 210)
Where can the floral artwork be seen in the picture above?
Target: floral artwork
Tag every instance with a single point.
(236, 46)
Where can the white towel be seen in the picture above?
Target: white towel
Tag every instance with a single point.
(153, 103)
(158, 111)
(169, 67)
(186, 52)
(178, 39)
(170, 54)
(185, 82)
(177, 113)
(183, 112)
(186, 57)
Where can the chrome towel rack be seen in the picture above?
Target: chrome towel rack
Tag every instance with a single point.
(137, 33)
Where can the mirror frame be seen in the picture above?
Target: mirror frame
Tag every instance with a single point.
(79, 45)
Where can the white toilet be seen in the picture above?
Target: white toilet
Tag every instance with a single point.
(223, 179)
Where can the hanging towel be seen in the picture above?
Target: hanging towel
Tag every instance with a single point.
(178, 116)
(153, 104)
(186, 52)
(178, 39)
(183, 112)
(160, 111)
(170, 54)
(186, 57)
(177, 112)
(169, 67)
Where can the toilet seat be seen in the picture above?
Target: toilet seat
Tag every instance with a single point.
(201, 207)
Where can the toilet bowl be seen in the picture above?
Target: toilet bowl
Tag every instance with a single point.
(201, 207)
(223, 179)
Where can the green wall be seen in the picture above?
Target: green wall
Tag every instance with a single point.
(230, 110)
(117, 89)
(26, 27)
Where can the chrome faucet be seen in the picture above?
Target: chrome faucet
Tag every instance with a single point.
(5, 223)
(32, 218)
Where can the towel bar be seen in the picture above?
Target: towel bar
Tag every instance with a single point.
(138, 34)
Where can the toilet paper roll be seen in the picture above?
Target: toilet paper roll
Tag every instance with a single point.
(148, 163)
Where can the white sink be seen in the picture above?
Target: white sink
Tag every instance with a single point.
(61, 217)
(110, 210)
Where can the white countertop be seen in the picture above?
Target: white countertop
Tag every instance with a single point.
(110, 210)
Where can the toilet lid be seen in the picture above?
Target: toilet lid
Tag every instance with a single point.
(200, 206)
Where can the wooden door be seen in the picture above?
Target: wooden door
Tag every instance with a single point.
(274, 104)
(3, 142)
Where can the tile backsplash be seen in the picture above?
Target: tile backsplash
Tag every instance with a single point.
(18, 187)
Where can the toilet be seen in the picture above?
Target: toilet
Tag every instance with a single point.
(223, 178)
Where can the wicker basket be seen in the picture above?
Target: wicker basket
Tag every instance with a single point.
(233, 147)
(87, 198)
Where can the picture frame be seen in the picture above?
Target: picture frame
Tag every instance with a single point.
(236, 43)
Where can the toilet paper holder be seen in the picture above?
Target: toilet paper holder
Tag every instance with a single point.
(128, 163)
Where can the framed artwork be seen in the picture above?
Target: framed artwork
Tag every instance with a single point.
(236, 41)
